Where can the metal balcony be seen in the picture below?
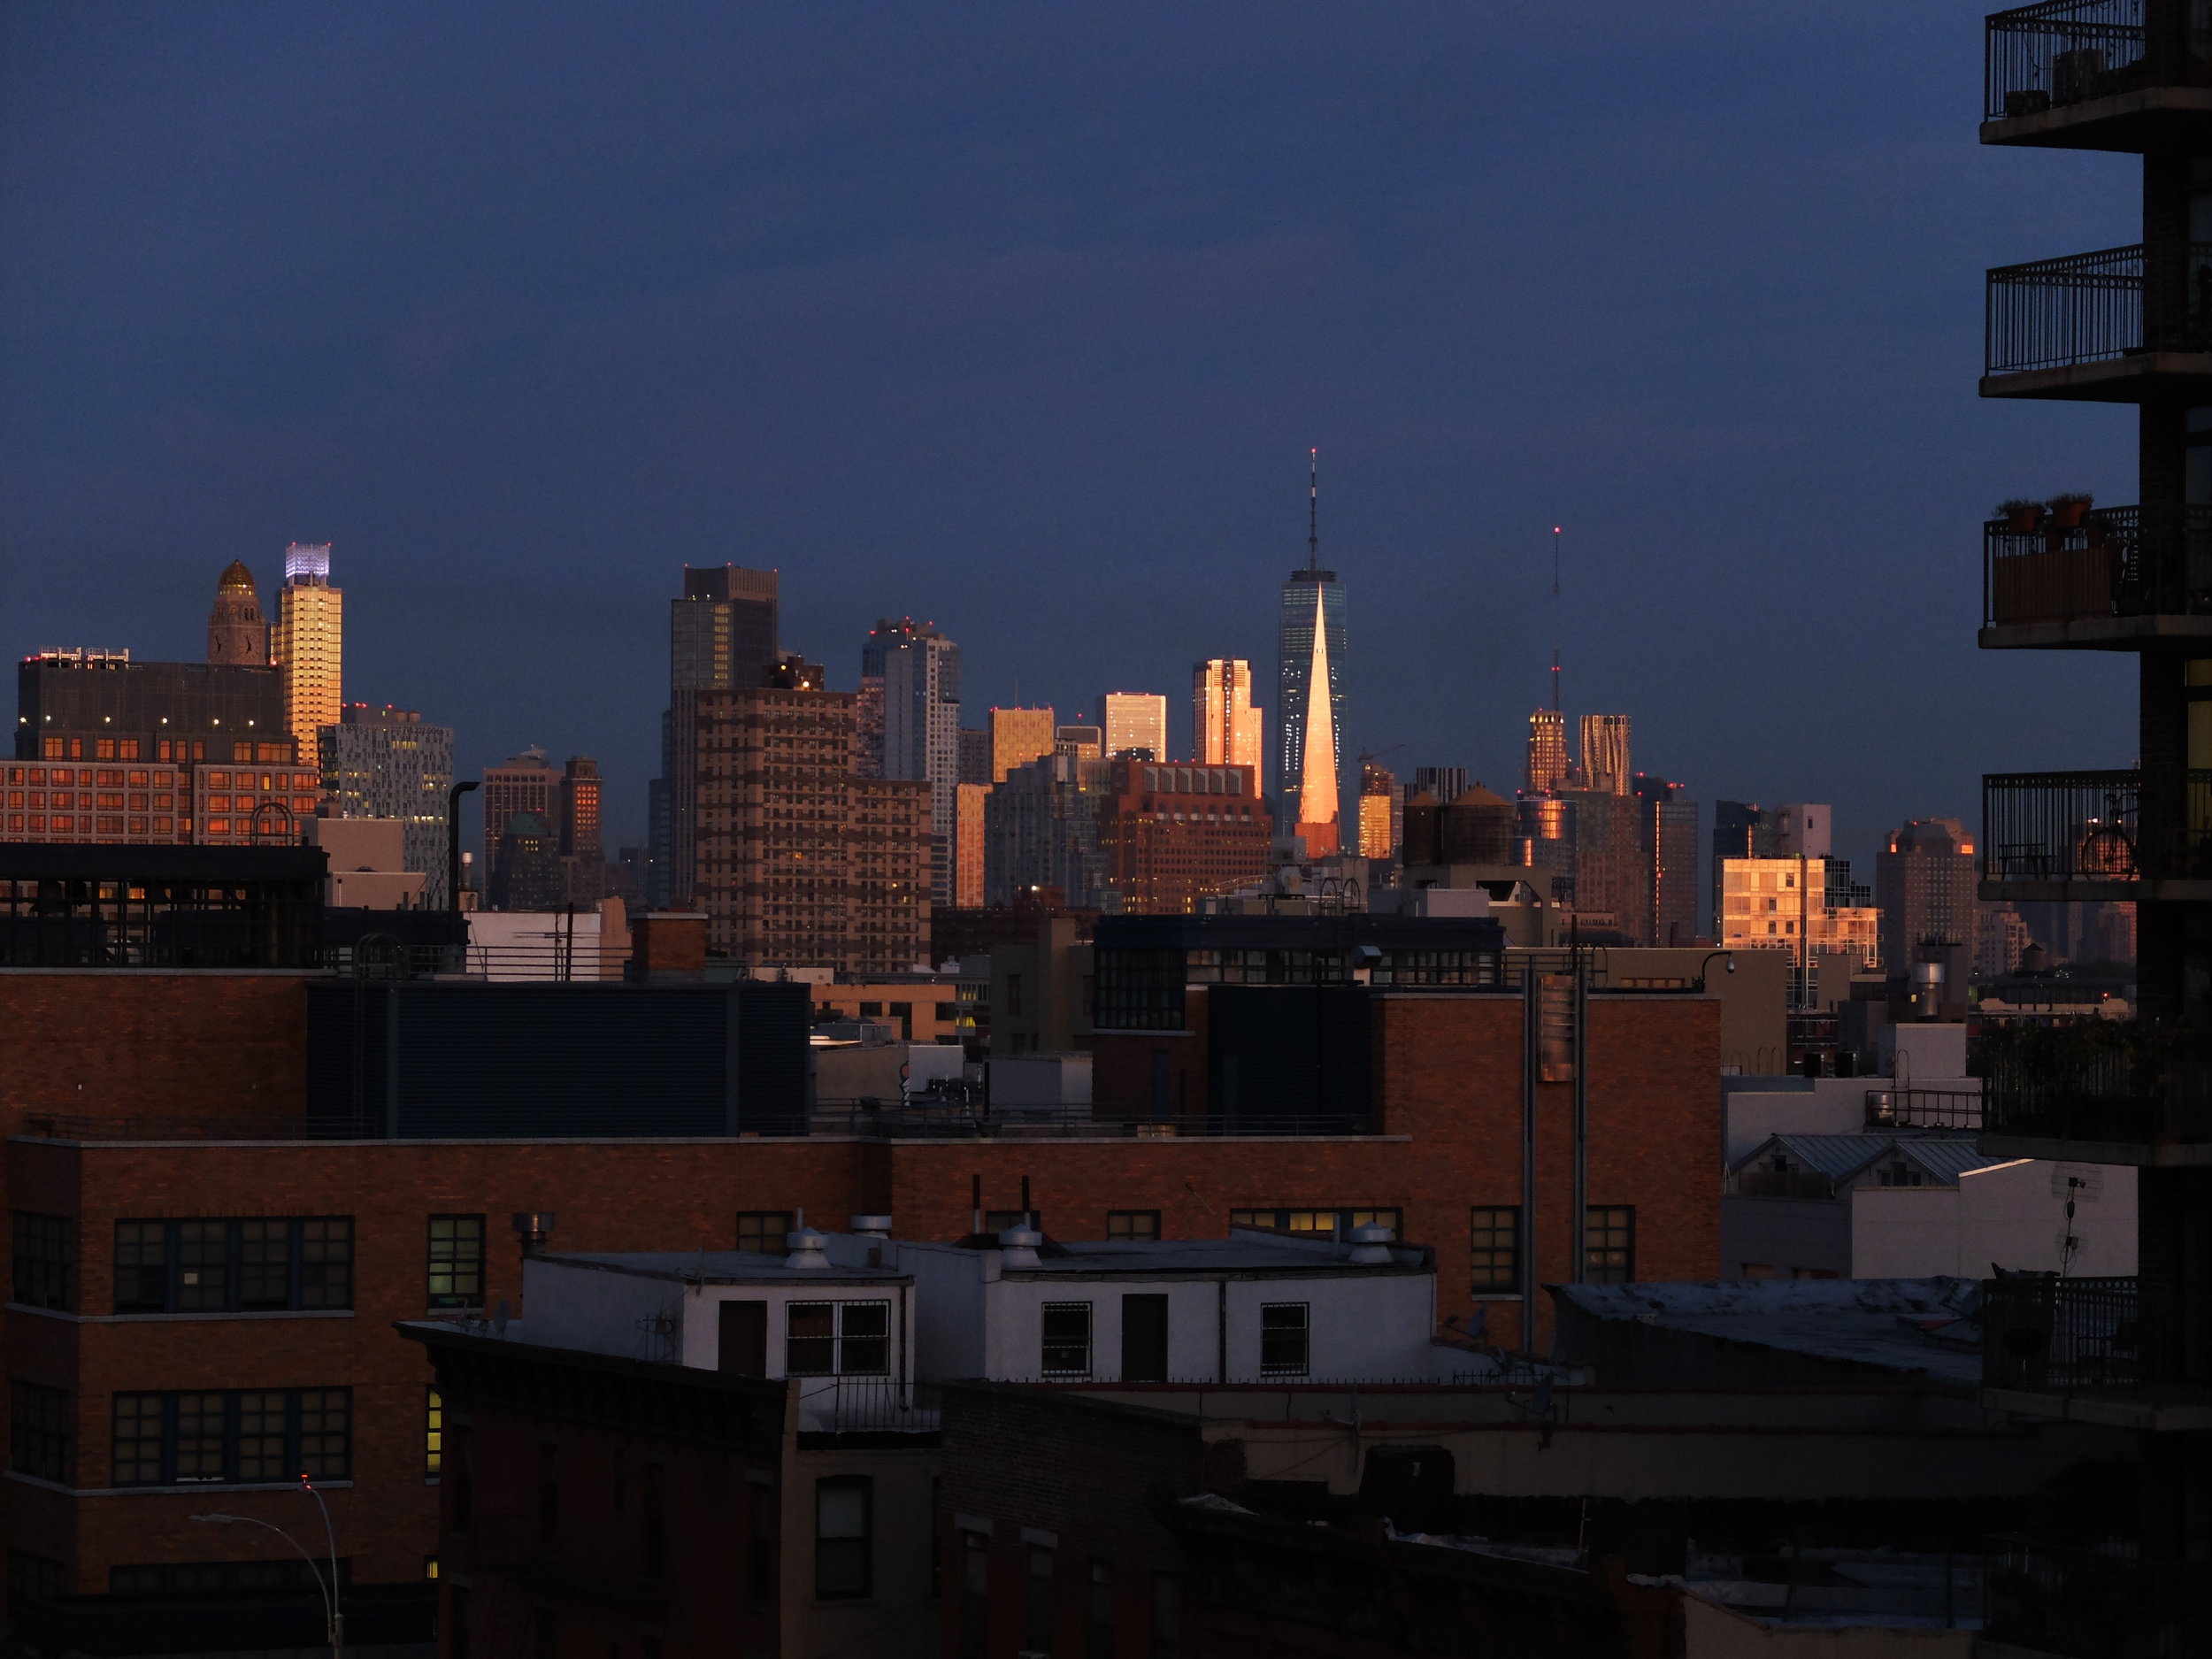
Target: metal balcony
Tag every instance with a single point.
(2092, 75)
(2121, 1093)
(2061, 1335)
(2120, 576)
(2088, 327)
(2039, 1597)
(2097, 835)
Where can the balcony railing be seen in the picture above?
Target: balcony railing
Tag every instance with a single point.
(2116, 561)
(2091, 308)
(2045, 57)
(55, 1126)
(2097, 827)
(1923, 1109)
(2117, 1082)
(847, 1405)
(2066, 1335)
(2050, 1598)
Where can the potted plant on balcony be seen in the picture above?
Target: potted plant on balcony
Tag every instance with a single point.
(2067, 509)
(2021, 517)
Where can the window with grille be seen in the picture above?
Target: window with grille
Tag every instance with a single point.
(1285, 1345)
(1067, 1340)
(1132, 1223)
(268, 1265)
(762, 1231)
(40, 1439)
(1494, 1254)
(1609, 1244)
(457, 1261)
(842, 1524)
(232, 1435)
(837, 1339)
(45, 1252)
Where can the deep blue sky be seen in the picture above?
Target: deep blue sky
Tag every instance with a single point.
(1022, 318)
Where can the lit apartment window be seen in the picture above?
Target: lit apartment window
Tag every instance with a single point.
(45, 1250)
(1285, 1349)
(1339, 1221)
(844, 1517)
(762, 1231)
(433, 1433)
(838, 1339)
(268, 1265)
(1132, 1223)
(457, 1261)
(1609, 1244)
(1066, 1349)
(1494, 1250)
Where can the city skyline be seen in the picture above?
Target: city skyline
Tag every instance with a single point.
(412, 413)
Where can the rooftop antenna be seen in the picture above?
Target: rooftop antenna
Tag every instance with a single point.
(1313, 514)
(1555, 619)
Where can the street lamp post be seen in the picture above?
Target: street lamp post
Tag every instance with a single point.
(334, 1617)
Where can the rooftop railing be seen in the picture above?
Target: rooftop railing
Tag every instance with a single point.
(2067, 1335)
(2090, 308)
(917, 1119)
(1923, 1109)
(2044, 57)
(2113, 1081)
(2097, 827)
(2115, 562)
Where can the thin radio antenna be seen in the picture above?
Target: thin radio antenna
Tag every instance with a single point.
(1555, 619)
(1313, 513)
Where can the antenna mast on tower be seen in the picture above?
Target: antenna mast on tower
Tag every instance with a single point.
(1555, 619)
(1313, 514)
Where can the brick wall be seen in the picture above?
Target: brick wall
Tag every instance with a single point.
(1039, 1465)
(124, 1044)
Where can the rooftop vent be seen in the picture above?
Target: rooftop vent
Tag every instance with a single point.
(1370, 1244)
(1018, 1246)
(871, 1226)
(806, 1248)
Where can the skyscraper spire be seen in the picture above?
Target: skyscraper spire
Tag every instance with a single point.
(1313, 513)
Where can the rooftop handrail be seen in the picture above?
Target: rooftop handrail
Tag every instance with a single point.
(1923, 1109)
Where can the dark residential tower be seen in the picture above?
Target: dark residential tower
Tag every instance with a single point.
(2129, 325)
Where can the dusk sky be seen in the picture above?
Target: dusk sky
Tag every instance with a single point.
(1022, 318)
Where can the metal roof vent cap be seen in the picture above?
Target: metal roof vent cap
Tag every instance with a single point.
(1370, 1244)
(870, 1226)
(1018, 1246)
(805, 1246)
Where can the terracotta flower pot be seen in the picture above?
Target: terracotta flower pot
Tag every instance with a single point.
(2023, 520)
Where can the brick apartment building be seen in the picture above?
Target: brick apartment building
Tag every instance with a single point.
(1172, 835)
(800, 861)
(201, 1300)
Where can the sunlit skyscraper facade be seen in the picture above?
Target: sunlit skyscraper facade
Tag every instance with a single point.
(1226, 725)
(310, 637)
(1310, 688)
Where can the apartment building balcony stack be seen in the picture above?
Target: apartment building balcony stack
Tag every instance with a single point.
(2128, 325)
